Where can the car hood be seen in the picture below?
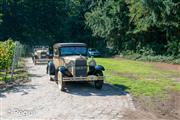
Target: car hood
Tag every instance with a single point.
(72, 59)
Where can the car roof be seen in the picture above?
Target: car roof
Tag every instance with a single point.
(57, 45)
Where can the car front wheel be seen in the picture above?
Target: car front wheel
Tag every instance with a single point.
(49, 72)
(35, 62)
(60, 81)
(98, 84)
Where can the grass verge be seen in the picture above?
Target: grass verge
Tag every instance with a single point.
(153, 89)
(140, 78)
(19, 72)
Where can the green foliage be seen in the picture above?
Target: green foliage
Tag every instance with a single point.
(145, 51)
(146, 14)
(149, 27)
(147, 56)
(110, 21)
(173, 47)
(45, 21)
(176, 61)
(18, 74)
(158, 58)
(6, 54)
(177, 86)
(1, 18)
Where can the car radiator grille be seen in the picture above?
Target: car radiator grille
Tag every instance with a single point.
(81, 68)
(43, 55)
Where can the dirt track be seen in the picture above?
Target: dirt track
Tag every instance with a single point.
(41, 99)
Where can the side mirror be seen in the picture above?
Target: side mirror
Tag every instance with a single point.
(56, 52)
(89, 55)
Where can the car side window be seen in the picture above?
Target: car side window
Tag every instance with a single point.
(56, 52)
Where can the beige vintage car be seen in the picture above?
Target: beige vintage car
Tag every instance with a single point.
(40, 55)
(70, 63)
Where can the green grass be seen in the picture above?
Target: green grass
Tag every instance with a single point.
(138, 78)
(19, 72)
(177, 86)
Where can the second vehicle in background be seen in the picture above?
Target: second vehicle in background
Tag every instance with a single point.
(93, 52)
(41, 54)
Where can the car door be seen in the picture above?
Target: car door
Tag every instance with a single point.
(58, 61)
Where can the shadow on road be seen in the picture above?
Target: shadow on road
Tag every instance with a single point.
(41, 63)
(34, 75)
(23, 89)
(88, 89)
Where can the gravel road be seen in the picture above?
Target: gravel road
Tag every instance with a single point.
(41, 99)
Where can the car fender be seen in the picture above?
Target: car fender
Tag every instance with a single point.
(99, 68)
(51, 68)
(95, 69)
(64, 71)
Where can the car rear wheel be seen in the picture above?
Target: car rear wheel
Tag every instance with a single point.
(50, 76)
(61, 83)
(35, 63)
(99, 83)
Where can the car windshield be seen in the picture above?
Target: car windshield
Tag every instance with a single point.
(65, 51)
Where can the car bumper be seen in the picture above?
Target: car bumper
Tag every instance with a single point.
(88, 78)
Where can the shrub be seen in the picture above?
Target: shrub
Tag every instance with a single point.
(148, 56)
(6, 53)
(176, 61)
(146, 51)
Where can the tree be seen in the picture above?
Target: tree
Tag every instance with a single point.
(122, 24)
(109, 19)
(159, 19)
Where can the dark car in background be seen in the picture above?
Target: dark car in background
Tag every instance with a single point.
(93, 52)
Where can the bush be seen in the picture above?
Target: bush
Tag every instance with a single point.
(176, 61)
(173, 47)
(6, 53)
(146, 51)
(157, 58)
(148, 56)
(130, 55)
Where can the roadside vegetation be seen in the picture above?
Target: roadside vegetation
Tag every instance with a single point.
(150, 58)
(149, 85)
(18, 73)
(139, 78)
(125, 26)
(7, 52)
(6, 58)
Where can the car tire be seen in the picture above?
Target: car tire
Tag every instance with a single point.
(35, 63)
(33, 59)
(60, 82)
(50, 77)
(99, 83)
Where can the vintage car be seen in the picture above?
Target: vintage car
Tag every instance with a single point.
(70, 63)
(40, 54)
(93, 52)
